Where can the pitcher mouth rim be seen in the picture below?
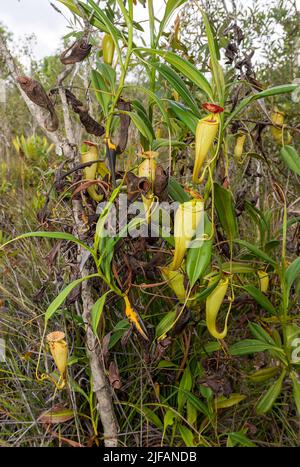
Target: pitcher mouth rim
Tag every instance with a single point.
(55, 336)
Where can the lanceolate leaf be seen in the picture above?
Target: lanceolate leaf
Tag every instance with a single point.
(260, 298)
(264, 374)
(153, 97)
(292, 272)
(96, 311)
(108, 73)
(268, 399)
(256, 251)
(58, 301)
(249, 346)
(291, 158)
(214, 59)
(222, 402)
(101, 90)
(171, 6)
(225, 209)
(184, 67)
(144, 128)
(296, 390)
(57, 235)
(186, 384)
(178, 84)
(99, 18)
(238, 268)
(285, 88)
(71, 5)
(99, 234)
(176, 191)
(240, 439)
(184, 115)
(164, 142)
(187, 436)
(152, 417)
(165, 324)
(197, 403)
(260, 333)
(58, 414)
(198, 258)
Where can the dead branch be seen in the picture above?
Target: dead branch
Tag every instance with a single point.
(37, 94)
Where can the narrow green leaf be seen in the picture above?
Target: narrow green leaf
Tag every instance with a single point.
(165, 324)
(176, 191)
(223, 402)
(154, 98)
(238, 268)
(98, 237)
(291, 158)
(217, 71)
(169, 418)
(264, 374)
(164, 142)
(283, 89)
(58, 301)
(200, 296)
(240, 439)
(198, 258)
(197, 403)
(186, 68)
(256, 251)
(144, 128)
(96, 312)
(185, 385)
(171, 6)
(101, 90)
(259, 333)
(268, 399)
(249, 346)
(57, 235)
(186, 435)
(296, 390)
(108, 73)
(260, 298)
(71, 5)
(259, 219)
(95, 12)
(152, 417)
(184, 115)
(292, 221)
(224, 205)
(292, 273)
(178, 84)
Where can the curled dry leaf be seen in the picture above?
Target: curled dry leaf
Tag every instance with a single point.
(91, 125)
(57, 414)
(124, 125)
(37, 94)
(160, 184)
(114, 376)
(77, 52)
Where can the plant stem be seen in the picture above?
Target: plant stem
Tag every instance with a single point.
(285, 298)
(153, 45)
(124, 68)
